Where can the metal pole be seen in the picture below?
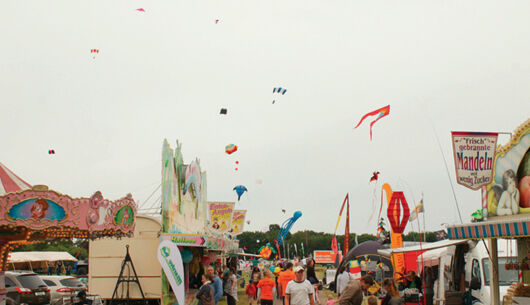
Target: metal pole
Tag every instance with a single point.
(494, 272)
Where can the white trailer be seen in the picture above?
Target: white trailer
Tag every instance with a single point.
(106, 256)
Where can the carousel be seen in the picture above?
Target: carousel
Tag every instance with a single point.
(32, 214)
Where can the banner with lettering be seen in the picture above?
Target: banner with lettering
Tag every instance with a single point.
(171, 262)
(221, 216)
(238, 222)
(474, 153)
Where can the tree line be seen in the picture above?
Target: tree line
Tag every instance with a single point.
(311, 240)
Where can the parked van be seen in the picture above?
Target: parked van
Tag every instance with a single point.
(466, 266)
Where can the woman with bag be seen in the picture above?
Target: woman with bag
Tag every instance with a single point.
(205, 294)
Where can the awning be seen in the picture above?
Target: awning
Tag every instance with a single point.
(424, 247)
(40, 256)
(10, 182)
(491, 229)
(248, 254)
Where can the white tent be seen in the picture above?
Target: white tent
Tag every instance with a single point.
(40, 256)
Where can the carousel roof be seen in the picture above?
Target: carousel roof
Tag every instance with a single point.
(10, 182)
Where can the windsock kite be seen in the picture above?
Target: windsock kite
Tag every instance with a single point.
(379, 112)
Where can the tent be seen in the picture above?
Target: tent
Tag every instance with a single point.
(369, 250)
(10, 182)
(35, 260)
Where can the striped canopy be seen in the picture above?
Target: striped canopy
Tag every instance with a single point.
(517, 227)
(9, 182)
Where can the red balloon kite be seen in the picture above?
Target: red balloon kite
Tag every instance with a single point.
(230, 148)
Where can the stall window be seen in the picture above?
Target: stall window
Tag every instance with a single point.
(475, 270)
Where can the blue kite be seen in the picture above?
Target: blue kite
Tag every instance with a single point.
(240, 189)
(287, 225)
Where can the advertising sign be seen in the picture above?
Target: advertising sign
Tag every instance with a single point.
(474, 153)
(221, 216)
(171, 262)
(238, 221)
(188, 240)
(325, 257)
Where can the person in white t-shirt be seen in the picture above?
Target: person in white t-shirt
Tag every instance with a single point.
(343, 279)
(299, 291)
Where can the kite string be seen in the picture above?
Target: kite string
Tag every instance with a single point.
(447, 171)
(374, 207)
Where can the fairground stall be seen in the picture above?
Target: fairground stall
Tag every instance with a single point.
(37, 214)
(505, 213)
(188, 241)
(181, 237)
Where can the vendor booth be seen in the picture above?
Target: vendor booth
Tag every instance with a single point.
(189, 241)
(506, 214)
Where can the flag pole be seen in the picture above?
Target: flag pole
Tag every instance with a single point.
(347, 230)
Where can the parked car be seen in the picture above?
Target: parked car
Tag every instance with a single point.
(62, 286)
(26, 287)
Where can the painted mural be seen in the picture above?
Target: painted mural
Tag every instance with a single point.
(40, 208)
(36, 209)
(509, 194)
(183, 193)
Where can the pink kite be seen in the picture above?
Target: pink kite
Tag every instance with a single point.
(379, 112)
(216, 21)
(140, 10)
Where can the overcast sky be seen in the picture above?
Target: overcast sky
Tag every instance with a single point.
(165, 73)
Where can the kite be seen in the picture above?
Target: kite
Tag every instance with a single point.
(216, 21)
(140, 10)
(223, 111)
(283, 210)
(278, 90)
(267, 251)
(248, 222)
(230, 148)
(379, 112)
(237, 162)
(51, 152)
(374, 177)
(94, 51)
(240, 190)
(286, 226)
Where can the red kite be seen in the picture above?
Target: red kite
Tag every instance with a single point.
(379, 112)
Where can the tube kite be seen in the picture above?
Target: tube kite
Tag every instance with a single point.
(379, 112)
(286, 226)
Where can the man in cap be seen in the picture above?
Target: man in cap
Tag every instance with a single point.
(299, 291)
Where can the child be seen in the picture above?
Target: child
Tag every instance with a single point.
(509, 201)
(371, 300)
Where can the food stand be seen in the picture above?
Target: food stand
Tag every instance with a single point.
(186, 227)
(506, 206)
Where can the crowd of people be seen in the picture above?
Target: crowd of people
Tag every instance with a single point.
(296, 283)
